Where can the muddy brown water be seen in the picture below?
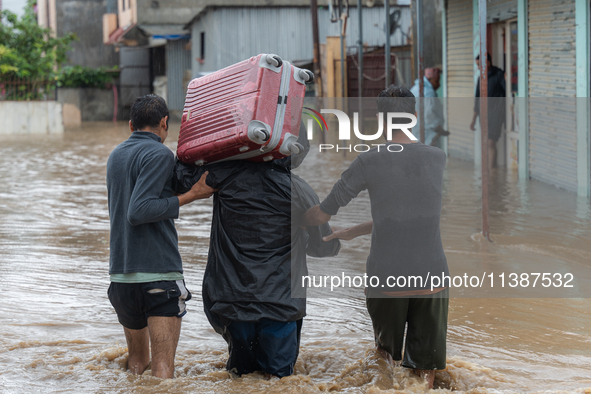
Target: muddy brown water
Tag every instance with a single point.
(58, 332)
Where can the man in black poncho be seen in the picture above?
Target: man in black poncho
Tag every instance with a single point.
(257, 252)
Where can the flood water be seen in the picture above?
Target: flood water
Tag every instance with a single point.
(58, 332)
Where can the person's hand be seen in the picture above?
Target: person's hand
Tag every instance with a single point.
(441, 131)
(199, 190)
(315, 217)
(343, 234)
(472, 125)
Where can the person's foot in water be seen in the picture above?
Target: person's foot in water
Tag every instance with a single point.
(427, 374)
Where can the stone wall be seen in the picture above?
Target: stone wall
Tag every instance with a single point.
(31, 117)
(86, 105)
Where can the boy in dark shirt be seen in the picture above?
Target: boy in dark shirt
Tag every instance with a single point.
(405, 191)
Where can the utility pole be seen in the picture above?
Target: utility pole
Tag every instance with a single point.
(484, 115)
(360, 49)
(360, 58)
(343, 27)
(317, 74)
(387, 49)
(419, 4)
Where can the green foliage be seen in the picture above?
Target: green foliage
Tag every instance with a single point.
(29, 50)
(85, 77)
(8, 61)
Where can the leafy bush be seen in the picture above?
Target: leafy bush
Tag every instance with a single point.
(29, 50)
(86, 77)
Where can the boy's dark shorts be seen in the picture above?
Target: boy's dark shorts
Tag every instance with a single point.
(425, 346)
(135, 302)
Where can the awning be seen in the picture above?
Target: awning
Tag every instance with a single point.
(167, 32)
(117, 36)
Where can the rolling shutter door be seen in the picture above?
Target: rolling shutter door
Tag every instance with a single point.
(178, 59)
(552, 84)
(460, 78)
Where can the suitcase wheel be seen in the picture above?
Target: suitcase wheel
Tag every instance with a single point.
(258, 132)
(274, 60)
(296, 148)
(307, 75)
(261, 134)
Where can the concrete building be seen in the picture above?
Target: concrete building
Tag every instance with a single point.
(225, 32)
(217, 47)
(154, 47)
(543, 46)
(82, 17)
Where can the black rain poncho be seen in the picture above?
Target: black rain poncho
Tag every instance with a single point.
(254, 244)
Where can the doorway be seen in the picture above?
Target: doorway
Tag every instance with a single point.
(503, 49)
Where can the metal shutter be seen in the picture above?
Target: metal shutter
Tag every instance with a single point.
(552, 107)
(178, 59)
(460, 78)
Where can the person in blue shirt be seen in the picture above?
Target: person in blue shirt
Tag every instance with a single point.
(433, 108)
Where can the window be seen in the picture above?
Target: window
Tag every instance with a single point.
(202, 48)
(123, 1)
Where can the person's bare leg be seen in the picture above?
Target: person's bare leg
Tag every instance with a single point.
(138, 347)
(387, 356)
(164, 335)
(492, 154)
(427, 374)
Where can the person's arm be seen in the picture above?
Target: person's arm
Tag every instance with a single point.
(185, 176)
(317, 245)
(348, 234)
(315, 216)
(352, 182)
(146, 205)
(198, 191)
(302, 198)
(476, 106)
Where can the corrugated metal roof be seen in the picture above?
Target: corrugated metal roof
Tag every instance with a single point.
(284, 31)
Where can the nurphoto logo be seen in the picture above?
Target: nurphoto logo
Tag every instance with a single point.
(344, 124)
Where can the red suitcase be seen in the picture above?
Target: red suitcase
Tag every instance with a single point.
(250, 110)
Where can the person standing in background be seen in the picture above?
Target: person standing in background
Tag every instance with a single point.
(496, 107)
(434, 119)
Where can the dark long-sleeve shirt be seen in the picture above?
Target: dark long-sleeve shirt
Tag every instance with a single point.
(142, 207)
(496, 101)
(405, 191)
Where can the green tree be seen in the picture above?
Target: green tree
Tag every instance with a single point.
(28, 50)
